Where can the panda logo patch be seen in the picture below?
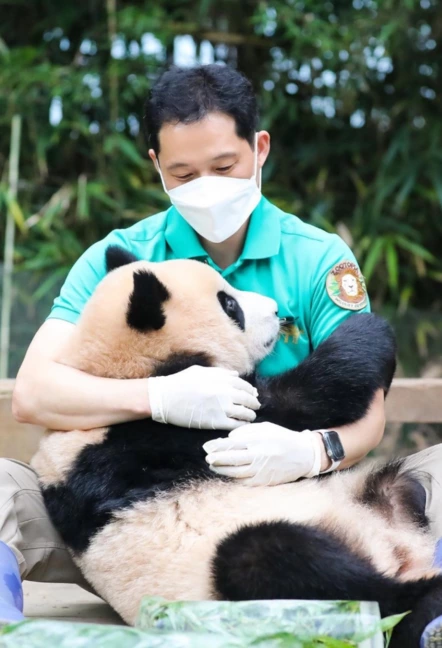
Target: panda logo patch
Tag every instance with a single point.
(346, 286)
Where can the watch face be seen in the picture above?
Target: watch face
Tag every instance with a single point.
(334, 445)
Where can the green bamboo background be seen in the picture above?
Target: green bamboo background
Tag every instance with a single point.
(351, 93)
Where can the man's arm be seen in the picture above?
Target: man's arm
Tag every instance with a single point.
(55, 396)
(58, 397)
(361, 437)
(274, 454)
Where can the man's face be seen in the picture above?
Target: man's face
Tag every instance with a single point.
(207, 147)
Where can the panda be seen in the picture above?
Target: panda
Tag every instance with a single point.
(142, 513)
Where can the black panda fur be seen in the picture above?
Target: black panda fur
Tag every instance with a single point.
(334, 386)
(282, 560)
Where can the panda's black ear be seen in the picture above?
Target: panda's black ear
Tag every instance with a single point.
(145, 311)
(117, 256)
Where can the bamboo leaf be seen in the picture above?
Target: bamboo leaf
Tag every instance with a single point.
(82, 198)
(53, 279)
(98, 191)
(125, 146)
(16, 212)
(416, 249)
(3, 48)
(404, 300)
(436, 276)
(360, 185)
(373, 258)
(392, 264)
(436, 178)
(387, 623)
(407, 187)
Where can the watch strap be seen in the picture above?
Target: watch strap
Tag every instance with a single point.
(334, 462)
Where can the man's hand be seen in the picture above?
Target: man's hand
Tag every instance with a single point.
(203, 397)
(265, 454)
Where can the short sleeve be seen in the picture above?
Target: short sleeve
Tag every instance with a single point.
(82, 280)
(328, 309)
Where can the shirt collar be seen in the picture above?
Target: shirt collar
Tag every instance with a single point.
(263, 237)
(181, 238)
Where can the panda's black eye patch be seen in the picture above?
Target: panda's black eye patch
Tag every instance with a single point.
(231, 307)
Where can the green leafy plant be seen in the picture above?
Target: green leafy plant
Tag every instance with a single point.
(335, 624)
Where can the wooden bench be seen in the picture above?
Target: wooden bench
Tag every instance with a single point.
(17, 440)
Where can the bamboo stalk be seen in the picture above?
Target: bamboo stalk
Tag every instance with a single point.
(111, 7)
(5, 321)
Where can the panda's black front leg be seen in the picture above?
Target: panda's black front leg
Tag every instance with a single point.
(181, 361)
(336, 384)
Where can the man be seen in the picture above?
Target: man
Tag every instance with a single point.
(202, 132)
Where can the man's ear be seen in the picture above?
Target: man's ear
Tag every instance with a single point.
(117, 256)
(153, 157)
(145, 311)
(263, 144)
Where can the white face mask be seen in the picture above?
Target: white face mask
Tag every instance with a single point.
(215, 206)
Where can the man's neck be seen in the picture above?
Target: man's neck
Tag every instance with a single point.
(227, 252)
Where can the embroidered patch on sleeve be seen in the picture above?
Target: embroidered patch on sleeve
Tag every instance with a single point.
(346, 286)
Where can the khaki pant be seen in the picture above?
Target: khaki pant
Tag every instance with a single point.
(42, 556)
(26, 528)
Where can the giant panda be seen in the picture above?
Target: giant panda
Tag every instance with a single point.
(142, 513)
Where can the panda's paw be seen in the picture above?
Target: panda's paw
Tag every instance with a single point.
(432, 635)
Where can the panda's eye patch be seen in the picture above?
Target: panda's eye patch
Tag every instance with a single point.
(231, 307)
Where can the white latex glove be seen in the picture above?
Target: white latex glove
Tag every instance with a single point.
(265, 454)
(203, 397)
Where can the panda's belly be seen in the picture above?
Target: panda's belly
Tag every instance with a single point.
(164, 547)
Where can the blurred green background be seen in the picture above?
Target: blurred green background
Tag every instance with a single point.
(350, 92)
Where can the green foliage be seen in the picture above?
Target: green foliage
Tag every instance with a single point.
(351, 93)
(219, 624)
(295, 623)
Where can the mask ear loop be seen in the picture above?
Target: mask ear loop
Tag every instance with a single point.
(255, 165)
(161, 176)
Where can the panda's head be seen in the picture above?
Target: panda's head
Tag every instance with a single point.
(144, 313)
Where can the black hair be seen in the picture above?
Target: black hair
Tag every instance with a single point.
(187, 95)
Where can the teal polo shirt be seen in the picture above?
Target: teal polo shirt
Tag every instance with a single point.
(282, 258)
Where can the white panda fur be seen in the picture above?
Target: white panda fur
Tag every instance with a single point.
(177, 550)
(165, 544)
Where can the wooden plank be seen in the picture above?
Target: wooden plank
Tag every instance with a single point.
(66, 603)
(415, 400)
(17, 440)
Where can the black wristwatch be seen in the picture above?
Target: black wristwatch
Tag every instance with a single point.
(333, 448)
